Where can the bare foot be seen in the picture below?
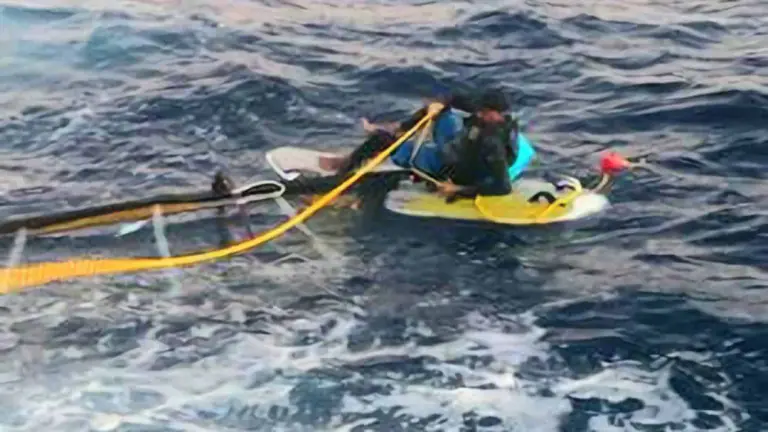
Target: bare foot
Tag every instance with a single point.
(331, 163)
(368, 126)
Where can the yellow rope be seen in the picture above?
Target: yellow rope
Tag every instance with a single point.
(15, 278)
(562, 201)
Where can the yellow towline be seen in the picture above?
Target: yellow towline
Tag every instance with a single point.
(16, 278)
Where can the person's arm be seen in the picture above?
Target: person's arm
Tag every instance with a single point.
(411, 121)
(497, 180)
(372, 128)
(459, 100)
(395, 128)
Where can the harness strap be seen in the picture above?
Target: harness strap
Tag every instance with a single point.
(420, 140)
(428, 128)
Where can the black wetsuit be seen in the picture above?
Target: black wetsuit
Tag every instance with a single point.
(319, 185)
(478, 160)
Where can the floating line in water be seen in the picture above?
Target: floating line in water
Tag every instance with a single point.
(40, 273)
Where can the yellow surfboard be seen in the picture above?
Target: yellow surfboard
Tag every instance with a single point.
(513, 209)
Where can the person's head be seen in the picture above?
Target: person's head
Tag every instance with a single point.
(493, 105)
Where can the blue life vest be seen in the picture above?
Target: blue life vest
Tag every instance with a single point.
(428, 159)
(525, 155)
(447, 127)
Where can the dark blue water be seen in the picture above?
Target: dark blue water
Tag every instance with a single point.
(651, 320)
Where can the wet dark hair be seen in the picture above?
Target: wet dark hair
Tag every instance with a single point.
(494, 99)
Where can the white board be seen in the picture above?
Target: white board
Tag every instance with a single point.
(290, 162)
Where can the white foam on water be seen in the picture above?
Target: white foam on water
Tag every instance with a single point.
(498, 369)
(624, 380)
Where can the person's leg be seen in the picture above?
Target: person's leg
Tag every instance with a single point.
(372, 146)
(369, 189)
(376, 142)
(323, 185)
(311, 185)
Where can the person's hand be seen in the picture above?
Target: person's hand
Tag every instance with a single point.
(440, 98)
(434, 108)
(447, 188)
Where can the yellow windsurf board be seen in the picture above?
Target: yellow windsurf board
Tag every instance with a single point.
(515, 208)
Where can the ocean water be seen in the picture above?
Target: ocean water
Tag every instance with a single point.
(652, 319)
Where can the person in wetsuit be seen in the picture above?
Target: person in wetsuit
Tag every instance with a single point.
(427, 158)
(469, 156)
(476, 161)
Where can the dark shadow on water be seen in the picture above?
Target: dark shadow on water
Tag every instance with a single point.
(653, 329)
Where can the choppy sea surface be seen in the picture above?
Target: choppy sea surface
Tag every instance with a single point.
(652, 319)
